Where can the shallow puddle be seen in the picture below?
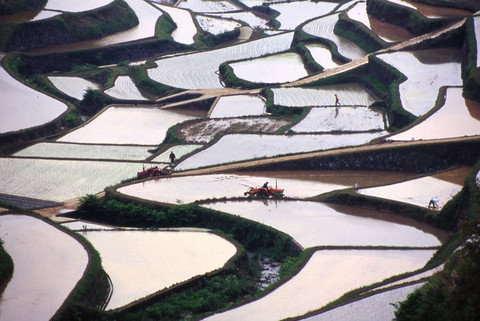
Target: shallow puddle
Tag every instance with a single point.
(325, 277)
(48, 263)
(445, 123)
(313, 224)
(171, 257)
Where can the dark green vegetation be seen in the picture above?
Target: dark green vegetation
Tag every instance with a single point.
(204, 294)
(407, 18)
(10, 7)
(6, 265)
(68, 27)
(470, 72)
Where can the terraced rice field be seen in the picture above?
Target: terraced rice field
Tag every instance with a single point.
(209, 6)
(123, 125)
(61, 180)
(124, 88)
(170, 258)
(359, 13)
(215, 25)
(186, 28)
(81, 151)
(199, 70)
(238, 106)
(317, 224)
(377, 307)
(178, 150)
(323, 27)
(59, 259)
(344, 119)
(294, 13)
(32, 108)
(73, 86)
(456, 110)
(322, 55)
(348, 94)
(328, 274)
(426, 71)
(260, 146)
(245, 16)
(266, 69)
(77, 6)
(416, 192)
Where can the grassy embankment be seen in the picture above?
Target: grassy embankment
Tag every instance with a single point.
(68, 27)
(219, 290)
(470, 71)
(407, 18)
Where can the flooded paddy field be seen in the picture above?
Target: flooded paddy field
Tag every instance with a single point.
(186, 28)
(171, 257)
(298, 184)
(48, 263)
(73, 86)
(317, 224)
(238, 106)
(322, 55)
(456, 110)
(251, 19)
(326, 276)
(427, 71)
(216, 25)
(122, 125)
(259, 146)
(124, 88)
(23, 106)
(294, 13)
(379, 307)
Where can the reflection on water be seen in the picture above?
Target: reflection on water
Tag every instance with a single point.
(313, 224)
(47, 265)
(140, 263)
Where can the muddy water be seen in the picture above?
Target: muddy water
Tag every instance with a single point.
(59, 262)
(298, 184)
(388, 31)
(325, 277)
(171, 257)
(313, 224)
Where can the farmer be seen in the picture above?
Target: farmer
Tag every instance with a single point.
(172, 158)
(265, 185)
(433, 203)
(337, 101)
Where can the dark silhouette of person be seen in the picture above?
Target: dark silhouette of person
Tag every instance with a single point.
(172, 158)
(265, 185)
(337, 101)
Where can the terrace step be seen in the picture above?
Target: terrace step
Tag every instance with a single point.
(27, 203)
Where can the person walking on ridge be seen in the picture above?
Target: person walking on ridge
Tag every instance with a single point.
(172, 158)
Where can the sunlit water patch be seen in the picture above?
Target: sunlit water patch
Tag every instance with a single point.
(23, 107)
(124, 88)
(323, 27)
(81, 151)
(417, 192)
(328, 274)
(252, 146)
(186, 28)
(378, 307)
(348, 95)
(200, 70)
(44, 14)
(295, 13)
(432, 11)
(427, 71)
(359, 13)
(137, 270)
(61, 180)
(127, 125)
(273, 69)
(322, 55)
(48, 263)
(457, 118)
(312, 223)
(238, 106)
(73, 86)
(215, 25)
(340, 119)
